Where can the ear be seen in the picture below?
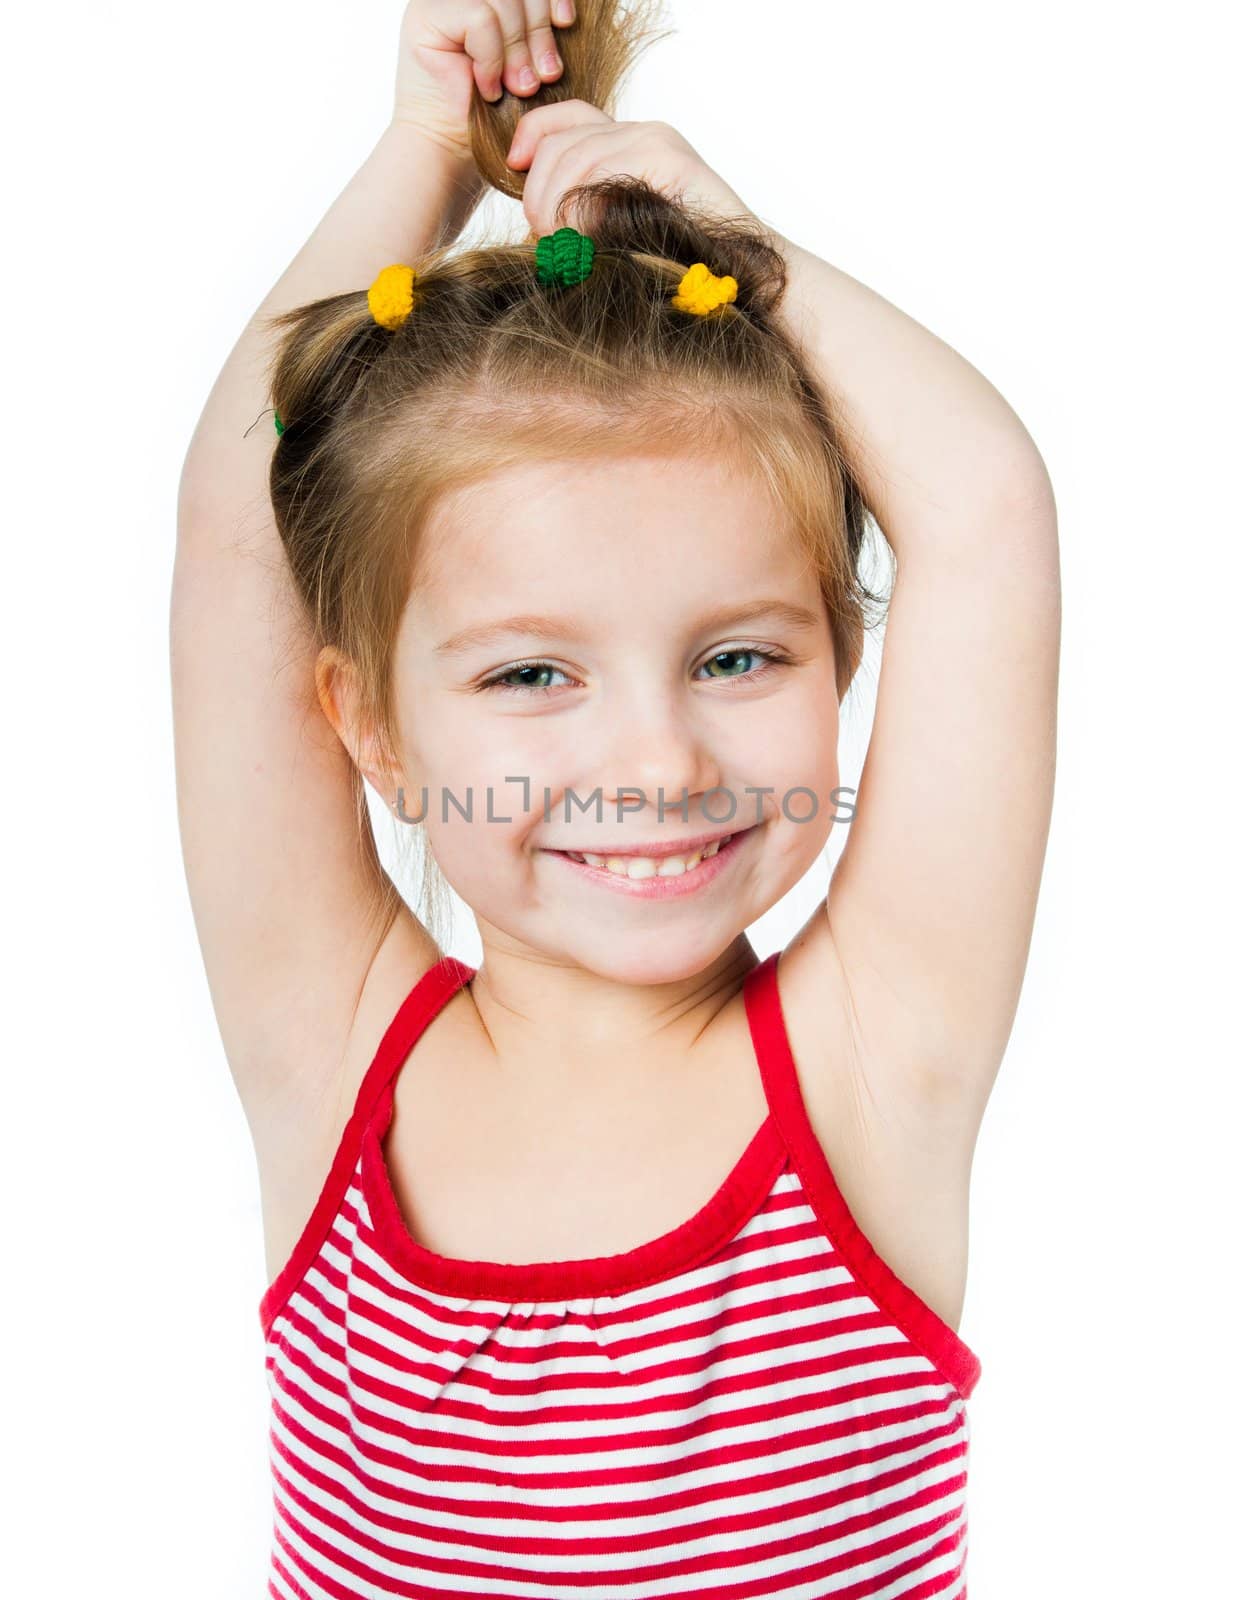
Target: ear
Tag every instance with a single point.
(338, 690)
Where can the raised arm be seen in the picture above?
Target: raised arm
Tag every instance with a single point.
(291, 904)
(932, 903)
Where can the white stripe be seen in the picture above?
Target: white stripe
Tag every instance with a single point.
(462, 1430)
(580, 1559)
(712, 1348)
(710, 1480)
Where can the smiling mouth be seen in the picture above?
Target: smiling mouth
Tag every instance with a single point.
(657, 861)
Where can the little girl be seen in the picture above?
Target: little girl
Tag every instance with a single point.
(626, 1263)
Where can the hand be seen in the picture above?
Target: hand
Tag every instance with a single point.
(448, 47)
(570, 142)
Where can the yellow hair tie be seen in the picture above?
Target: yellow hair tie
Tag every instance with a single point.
(701, 291)
(391, 297)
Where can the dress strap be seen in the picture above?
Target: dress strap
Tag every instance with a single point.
(426, 998)
(921, 1324)
(762, 1010)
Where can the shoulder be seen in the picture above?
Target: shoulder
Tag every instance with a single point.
(296, 1142)
(857, 1023)
(899, 1144)
(403, 958)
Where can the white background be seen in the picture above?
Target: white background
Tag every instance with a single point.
(1051, 189)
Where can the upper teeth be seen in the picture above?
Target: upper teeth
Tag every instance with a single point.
(648, 866)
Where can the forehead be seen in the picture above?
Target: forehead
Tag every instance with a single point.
(591, 530)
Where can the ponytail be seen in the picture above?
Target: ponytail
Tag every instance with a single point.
(599, 50)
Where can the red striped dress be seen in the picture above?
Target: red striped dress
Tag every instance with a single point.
(753, 1404)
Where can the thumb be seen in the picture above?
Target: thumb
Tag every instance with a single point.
(554, 117)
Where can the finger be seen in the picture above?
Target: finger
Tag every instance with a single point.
(538, 124)
(519, 71)
(563, 161)
(544, 184)
(543, 47)
(483, 43)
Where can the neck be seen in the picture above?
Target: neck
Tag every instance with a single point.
(544, 1013)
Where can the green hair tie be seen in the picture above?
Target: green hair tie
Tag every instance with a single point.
(279, 427)
(564, 257)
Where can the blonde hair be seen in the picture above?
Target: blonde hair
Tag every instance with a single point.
(492, 368)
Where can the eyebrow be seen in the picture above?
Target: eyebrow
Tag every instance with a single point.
(483, 633)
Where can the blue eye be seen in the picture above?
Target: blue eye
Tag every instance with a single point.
(524, 667)
(533, 670)
(773, 658)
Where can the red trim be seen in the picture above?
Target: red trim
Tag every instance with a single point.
(425, 999)
(925, 1329)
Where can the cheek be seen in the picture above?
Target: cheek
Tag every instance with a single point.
(797, 742)
(445, 744)
(483, 794)
(458, 759)
(800, 759)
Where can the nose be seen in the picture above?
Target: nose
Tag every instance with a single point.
(659, 746)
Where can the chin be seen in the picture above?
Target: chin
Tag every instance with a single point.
(665, 956)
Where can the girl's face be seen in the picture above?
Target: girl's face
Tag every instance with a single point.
(587, 652)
